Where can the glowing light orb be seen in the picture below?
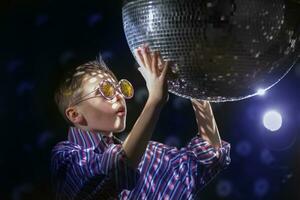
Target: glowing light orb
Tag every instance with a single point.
(272, 120)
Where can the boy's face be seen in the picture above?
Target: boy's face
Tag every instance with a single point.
(98, 113)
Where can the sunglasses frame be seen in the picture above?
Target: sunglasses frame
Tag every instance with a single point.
(116, 87)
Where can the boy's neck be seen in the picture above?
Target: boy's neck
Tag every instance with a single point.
(106, 133)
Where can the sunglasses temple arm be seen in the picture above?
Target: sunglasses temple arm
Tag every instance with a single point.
(78, 100)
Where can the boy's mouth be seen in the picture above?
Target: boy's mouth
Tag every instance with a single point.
(121, 111)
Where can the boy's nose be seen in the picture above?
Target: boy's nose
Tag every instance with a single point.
(118, 96)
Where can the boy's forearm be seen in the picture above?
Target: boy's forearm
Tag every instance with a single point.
(137, 140)
(207, 125)
(208, 130)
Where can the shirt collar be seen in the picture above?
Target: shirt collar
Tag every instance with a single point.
(90, 139)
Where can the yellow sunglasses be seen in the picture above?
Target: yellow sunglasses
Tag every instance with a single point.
(108, 90)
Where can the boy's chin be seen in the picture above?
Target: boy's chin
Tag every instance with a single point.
(119, 129)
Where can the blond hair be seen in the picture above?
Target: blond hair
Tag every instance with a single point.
(70, 87)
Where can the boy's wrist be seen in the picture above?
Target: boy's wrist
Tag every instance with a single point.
(153, 101)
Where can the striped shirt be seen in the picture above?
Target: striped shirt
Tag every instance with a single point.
(91, 165)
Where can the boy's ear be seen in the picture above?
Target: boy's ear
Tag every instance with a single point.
(74, 116)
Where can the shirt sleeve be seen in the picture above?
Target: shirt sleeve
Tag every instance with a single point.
(199, 162)
(83, 174)
(210, 161)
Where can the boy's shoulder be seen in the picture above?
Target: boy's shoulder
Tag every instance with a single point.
(67, 146)
(64, 146)
(160, 145)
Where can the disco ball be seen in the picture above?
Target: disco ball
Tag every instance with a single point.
(220, 50)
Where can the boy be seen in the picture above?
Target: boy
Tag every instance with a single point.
(94, 164)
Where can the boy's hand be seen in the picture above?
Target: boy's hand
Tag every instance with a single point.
(207, 126)
(155, 77)
(154, 71)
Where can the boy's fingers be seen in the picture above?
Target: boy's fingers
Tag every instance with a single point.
(165, 69)
(139, 57)
(145, 54)
(197, 103)
(160, 63)
(154, 66)
(141, 69)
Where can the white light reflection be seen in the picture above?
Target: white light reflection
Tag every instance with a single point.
(261, 92)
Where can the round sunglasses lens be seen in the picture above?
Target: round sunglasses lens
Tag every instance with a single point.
(107, 89)
(126, 88)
